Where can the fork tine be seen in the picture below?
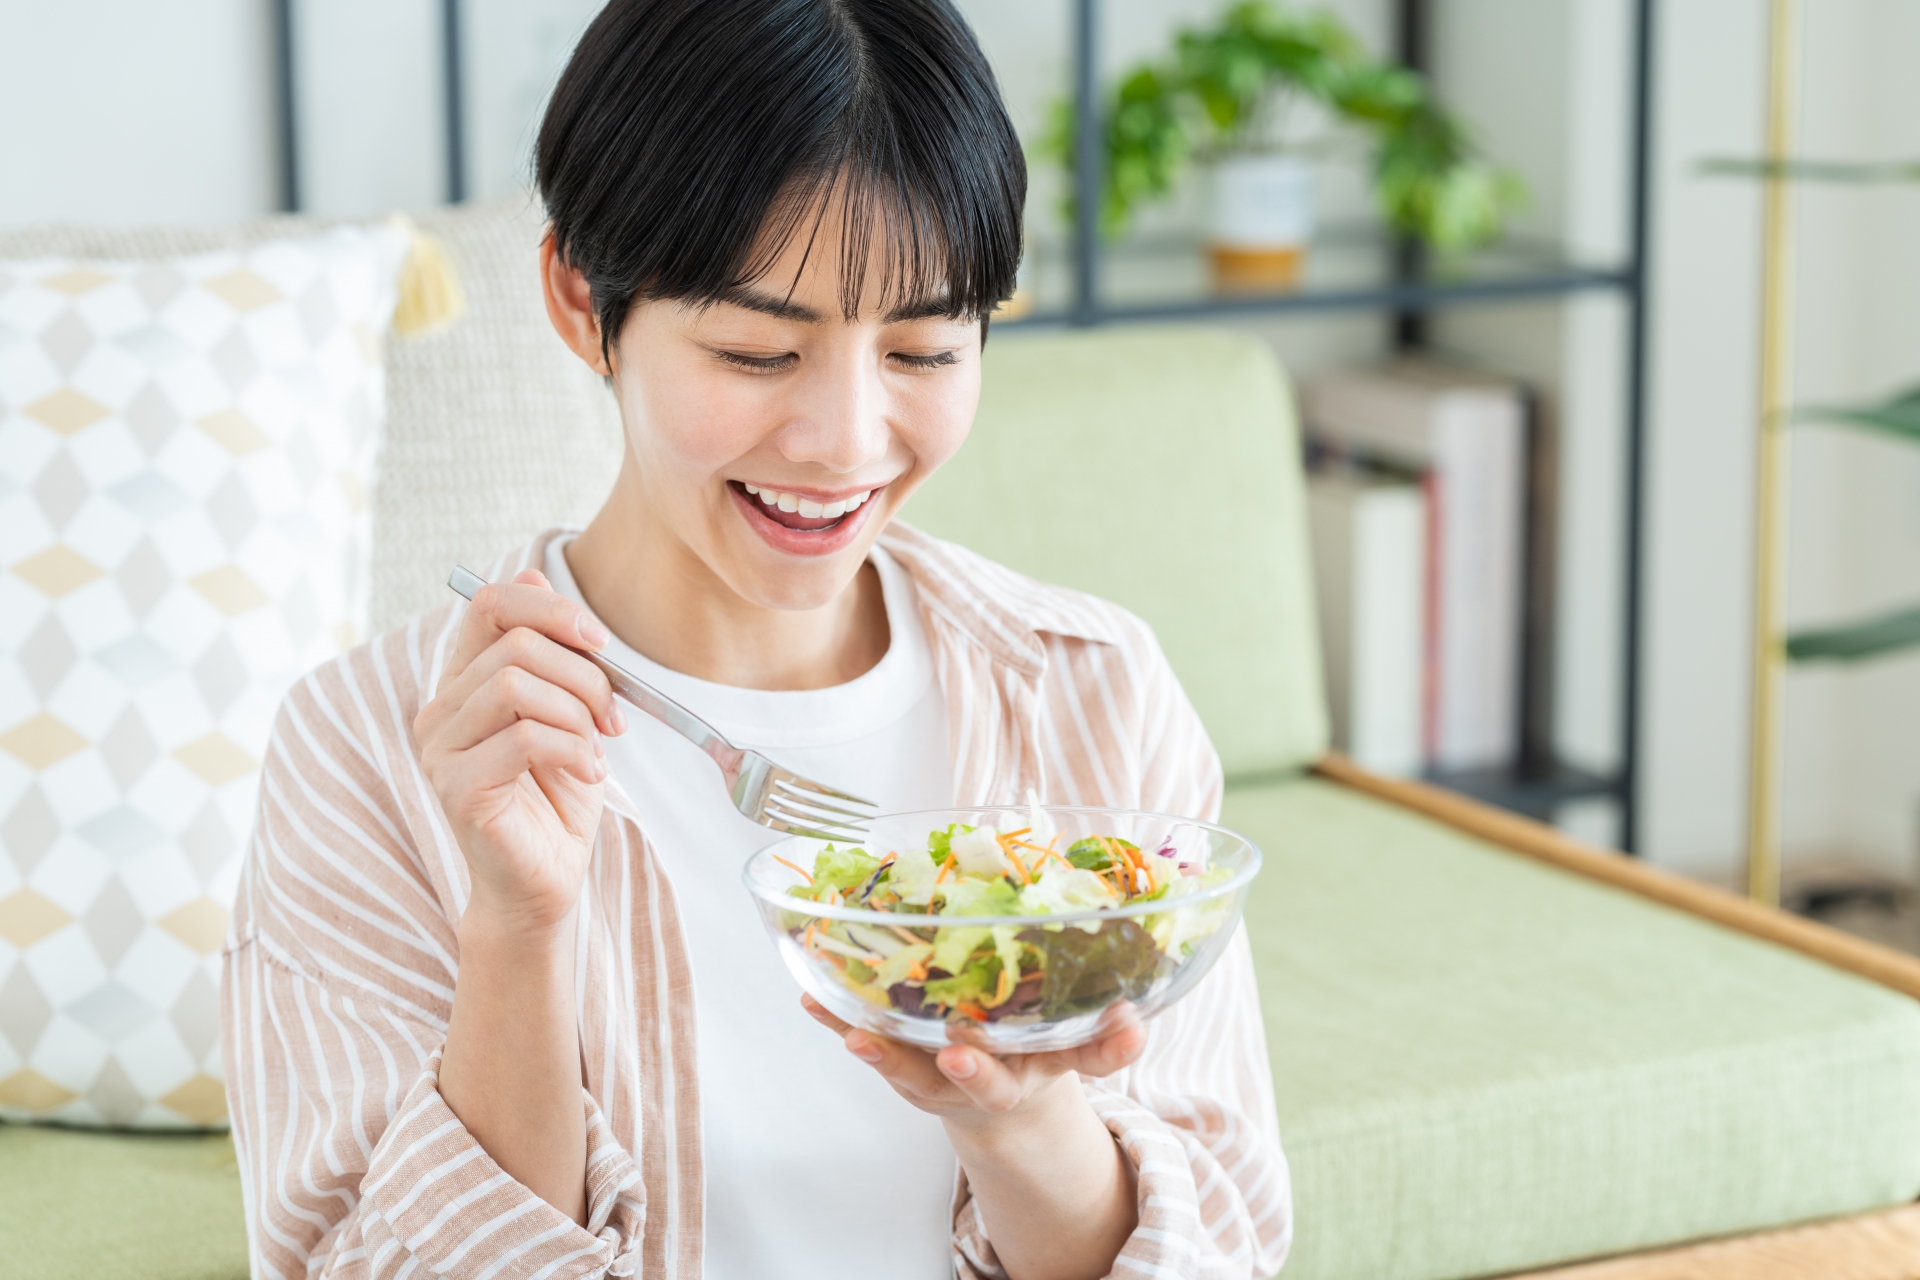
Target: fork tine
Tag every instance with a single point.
(807, 799)
(791, 811)
(794, 781)
(809, 824)
(780, 822)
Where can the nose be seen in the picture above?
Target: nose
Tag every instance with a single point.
(838, 418)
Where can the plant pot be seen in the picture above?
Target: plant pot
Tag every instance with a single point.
(1262, 221)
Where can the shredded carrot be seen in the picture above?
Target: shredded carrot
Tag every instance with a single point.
(917, 970)
(802, 870)
(973, 1011)
(1003, 989)
(1009, 835)
(944, 868)
(1026, 877)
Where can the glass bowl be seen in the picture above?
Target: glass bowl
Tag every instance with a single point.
(1068, 966)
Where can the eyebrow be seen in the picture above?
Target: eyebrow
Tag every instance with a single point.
(785, 309)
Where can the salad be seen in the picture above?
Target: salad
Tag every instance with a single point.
(935, 964)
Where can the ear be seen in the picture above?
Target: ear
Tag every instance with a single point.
(570, 307)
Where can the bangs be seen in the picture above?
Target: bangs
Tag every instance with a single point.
(690, 143)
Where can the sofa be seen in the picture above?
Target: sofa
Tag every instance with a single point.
(1494, 1051)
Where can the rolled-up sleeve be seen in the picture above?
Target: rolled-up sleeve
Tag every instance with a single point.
(1195, 1120)
(354, 1166)
(1195, 1115)
(337, 983)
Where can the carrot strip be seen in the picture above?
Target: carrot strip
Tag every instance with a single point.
(802, 870)
(973, 1011)
(944, 868)
(1026, 877)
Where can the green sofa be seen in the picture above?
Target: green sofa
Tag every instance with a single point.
(1483, 1064)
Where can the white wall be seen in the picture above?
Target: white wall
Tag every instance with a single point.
(130, 111)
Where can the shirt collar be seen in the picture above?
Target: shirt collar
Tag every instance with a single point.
(1004, 612)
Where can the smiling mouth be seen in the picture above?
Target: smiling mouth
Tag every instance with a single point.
(803, 515)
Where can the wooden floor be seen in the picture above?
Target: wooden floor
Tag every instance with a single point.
(1878, 1246)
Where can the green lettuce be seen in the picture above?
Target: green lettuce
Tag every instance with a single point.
(843, 869)
(973, 984)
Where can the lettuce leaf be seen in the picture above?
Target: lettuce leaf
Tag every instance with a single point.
(842, 869)
(1086, 972)
(973, 984)
(951, 947)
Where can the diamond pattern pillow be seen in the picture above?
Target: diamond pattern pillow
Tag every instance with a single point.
(186, 450)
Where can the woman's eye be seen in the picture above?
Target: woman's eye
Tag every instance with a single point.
(933, 360)
(758, 364)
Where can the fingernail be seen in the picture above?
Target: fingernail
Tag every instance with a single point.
(592, 632)
(619, 720)
(866, 1050)
(960, 1066)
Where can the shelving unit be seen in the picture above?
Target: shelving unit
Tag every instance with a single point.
(1358, 270)
(1351, 270)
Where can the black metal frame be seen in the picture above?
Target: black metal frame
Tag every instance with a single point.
(287, 104)
(1408, 299)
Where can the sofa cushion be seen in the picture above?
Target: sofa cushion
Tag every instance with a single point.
(494, 429)
(1158, 468)
(1484, 1064)
(82, 1206)
(186, 445)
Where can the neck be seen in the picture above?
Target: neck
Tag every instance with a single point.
(664, 602)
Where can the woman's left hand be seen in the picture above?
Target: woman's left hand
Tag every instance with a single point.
(968, 1086)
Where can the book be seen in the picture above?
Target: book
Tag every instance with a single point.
(1369, 536)
(1466, 432)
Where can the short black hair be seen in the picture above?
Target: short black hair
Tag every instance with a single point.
(688, 141)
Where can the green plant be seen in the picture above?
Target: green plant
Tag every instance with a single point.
(1230, 88)
(1897, 417)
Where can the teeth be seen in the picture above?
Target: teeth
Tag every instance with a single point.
(807, 507)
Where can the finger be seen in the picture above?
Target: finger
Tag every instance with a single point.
(533, 652)
(514, 693)
(527, 601)
(909, 1070)
(526, 746)
(822, 1015)
(1121, 1041)
(983, 1079)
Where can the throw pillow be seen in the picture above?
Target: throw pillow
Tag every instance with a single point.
(186, 452)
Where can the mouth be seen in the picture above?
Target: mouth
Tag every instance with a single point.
(803, 524)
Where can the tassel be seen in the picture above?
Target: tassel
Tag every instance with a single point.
(430, 296)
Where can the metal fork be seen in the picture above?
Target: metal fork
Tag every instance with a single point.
(762, 790)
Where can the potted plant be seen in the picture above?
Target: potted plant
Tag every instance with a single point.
(1228, 96)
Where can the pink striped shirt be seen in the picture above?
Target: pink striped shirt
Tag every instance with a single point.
(339, 971)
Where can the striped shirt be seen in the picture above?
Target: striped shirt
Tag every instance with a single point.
(339, 971)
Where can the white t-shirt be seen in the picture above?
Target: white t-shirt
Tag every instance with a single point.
(815, 1168)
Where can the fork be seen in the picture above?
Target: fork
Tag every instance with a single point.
(762, 790)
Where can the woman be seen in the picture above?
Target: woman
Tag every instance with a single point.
(496, 1003)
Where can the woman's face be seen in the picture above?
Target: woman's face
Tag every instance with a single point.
(773, 438)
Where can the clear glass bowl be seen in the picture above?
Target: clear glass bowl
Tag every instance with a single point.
(1075, 966)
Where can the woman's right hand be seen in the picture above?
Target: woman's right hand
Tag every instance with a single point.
(511, 744)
